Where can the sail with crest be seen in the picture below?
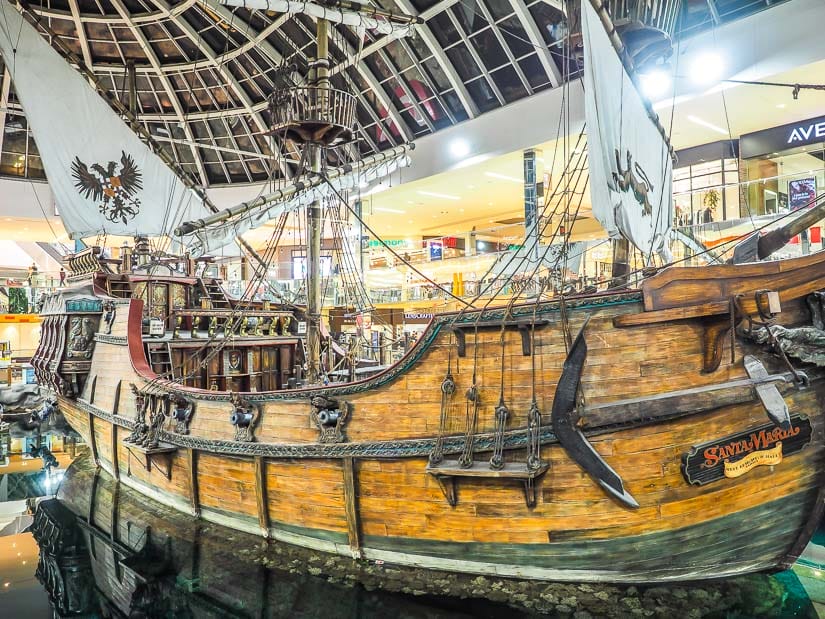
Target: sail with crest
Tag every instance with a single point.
(104, 178)
(630, 160)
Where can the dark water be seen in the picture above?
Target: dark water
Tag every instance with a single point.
(101, 550)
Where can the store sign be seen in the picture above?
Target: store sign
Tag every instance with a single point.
(417, 318)
(806, 134)
(737, 454)
(392, 243)
(777, 139)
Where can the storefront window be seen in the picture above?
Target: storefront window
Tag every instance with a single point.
(706, 192)
(786, 180)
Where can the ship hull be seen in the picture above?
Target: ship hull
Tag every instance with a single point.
(709, 483)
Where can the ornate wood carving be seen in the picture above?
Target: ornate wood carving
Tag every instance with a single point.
(245, 417)
(81, 338)
(181, 413)
(330, 417)
(140, 429)
(109, 313)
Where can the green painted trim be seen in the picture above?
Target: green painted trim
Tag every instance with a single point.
(322, 534)
(762, 533)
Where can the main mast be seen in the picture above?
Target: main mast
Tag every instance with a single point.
(319, 117)
(319, 80)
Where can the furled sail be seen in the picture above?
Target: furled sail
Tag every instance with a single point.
(104, 179)
(206, 239)
(352, 18)
(630, 162)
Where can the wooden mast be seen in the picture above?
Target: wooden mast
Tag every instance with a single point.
(319, 79)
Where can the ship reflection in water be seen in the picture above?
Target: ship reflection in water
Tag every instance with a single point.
(105, 551)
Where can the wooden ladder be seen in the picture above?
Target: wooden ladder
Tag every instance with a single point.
(160, 358)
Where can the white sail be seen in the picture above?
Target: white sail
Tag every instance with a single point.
(104, 179)
(630, 165)
(336, 16)
(206, 240)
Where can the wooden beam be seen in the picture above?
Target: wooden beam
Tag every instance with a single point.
(92, 441)
(351, 506)
(260, 494)
(194, 491)
(115, 463)
(92, 389)
(116, 404)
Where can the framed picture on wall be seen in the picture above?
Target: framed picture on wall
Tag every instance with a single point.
(801, 192)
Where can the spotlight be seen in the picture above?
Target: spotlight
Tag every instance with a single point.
(655, 83)
(459, 148)
(707, 68)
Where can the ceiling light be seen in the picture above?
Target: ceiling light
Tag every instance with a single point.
(433, 194)
(504, 177)
(459, 148)
(655, 83)
(707, 68)
(710, 126)
(781, 106)
(388, 210)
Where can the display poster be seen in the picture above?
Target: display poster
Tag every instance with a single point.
(801, 192)
(436, 250)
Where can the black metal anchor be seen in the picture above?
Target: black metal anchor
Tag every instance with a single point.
(563, 417)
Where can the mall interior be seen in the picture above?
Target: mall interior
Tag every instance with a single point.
(485, 100)
(483, 93)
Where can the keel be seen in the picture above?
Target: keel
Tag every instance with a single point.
(563, 417)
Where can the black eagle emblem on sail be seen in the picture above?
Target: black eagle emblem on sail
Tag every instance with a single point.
(116, 191)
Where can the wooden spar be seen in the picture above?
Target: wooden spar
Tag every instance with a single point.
(351, 505)
(372, 11)
(319, 78)
(194, 498)
(307, 182)
(758, 247)
(621, 267)
(92, 439)
(115, 462)
(261, 496)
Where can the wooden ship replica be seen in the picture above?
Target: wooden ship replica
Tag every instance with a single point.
(664, 432)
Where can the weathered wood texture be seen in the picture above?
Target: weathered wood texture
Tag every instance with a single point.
(686, 286)
(394, 504)
(398, 501)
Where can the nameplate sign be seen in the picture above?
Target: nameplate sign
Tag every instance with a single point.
(737, 454)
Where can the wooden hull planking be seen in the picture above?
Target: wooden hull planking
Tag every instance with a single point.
(372, 496)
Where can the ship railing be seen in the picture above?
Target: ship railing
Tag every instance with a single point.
(237, 322)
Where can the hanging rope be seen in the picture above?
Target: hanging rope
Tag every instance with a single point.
(448, 388)
(471, 412)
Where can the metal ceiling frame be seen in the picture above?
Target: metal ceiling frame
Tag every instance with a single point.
(531, 28)
(226, 76)
(167, 85)
(440, 57)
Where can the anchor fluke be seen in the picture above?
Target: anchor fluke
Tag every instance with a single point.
(563, 417)
(772, 401)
